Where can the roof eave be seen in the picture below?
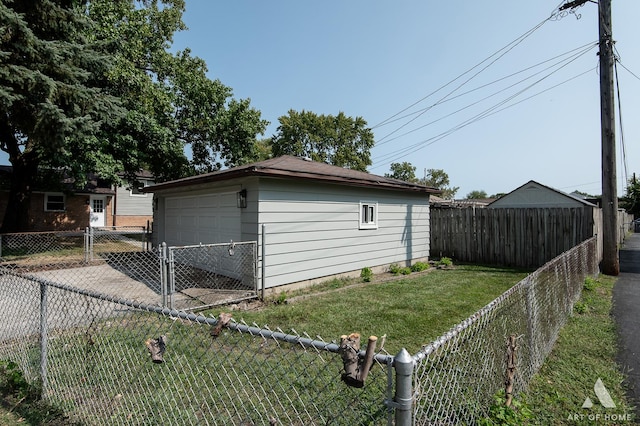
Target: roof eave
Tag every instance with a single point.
(284, 174)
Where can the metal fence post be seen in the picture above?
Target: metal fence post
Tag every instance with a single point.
(86, 244)
(162, 256)
(171, 277)
(44, 337)
(262, 263)
(91, 237)
(403, 400)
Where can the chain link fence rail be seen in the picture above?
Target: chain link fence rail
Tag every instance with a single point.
(112, 360)
(456, 377)
(108, 361)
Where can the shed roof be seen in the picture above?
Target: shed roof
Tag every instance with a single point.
(505, 198)
(287, 167)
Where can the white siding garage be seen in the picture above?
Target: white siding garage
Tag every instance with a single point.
(207, 218)
(319, 220)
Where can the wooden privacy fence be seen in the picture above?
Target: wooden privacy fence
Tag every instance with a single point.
(511, 237)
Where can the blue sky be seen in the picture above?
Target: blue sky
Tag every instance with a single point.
(373, 59)
(390, 62)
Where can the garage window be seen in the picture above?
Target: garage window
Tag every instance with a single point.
(368, 215)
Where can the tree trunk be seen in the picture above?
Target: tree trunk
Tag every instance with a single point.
(17, 215)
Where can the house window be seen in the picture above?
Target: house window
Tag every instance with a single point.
(368, 215)
(54, 202)
(136, 190)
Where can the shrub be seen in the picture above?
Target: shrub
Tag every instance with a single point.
(394, 268)
(405, 271)
(366, 274)
(445, 262)
(419, 266)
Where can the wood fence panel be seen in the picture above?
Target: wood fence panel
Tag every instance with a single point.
(511, 237)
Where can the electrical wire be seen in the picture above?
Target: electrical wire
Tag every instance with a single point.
(628, 70)
(590, 46)
(622, 141)
(506, 49)
(496, 108)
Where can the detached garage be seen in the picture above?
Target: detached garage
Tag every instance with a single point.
(319, 220)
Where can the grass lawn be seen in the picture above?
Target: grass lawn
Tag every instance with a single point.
(584, 352)
(410, 310)
(413, 310)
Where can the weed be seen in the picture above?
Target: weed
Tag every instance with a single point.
(445, 262)
(580, 308)
(366, 274)
(281, 298)
(499, 414)
(590, 283)
(13, 380)
(24, 400)
(394, 268)
(419, 266)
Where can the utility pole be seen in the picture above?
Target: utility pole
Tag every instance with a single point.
(610, 263)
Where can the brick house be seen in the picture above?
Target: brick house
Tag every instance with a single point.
(96, 204)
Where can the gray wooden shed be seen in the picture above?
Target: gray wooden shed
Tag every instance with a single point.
(319, 220)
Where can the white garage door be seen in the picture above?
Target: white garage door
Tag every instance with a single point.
(206, 219)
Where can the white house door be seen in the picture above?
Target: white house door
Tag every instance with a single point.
(97, 216)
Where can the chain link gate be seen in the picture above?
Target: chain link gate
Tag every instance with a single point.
(205, 275)
(120, 261)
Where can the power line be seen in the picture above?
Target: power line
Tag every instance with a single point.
(508, 48)
(622, 142)
(487, 113)
(494, 109)
(590, 46)
(628, 70)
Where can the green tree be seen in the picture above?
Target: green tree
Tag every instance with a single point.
(92, 87)
(476, 195)
(631, 200)
(339, 140)
(403, 171)
(438, 178)
(170, 92)
(52, 102)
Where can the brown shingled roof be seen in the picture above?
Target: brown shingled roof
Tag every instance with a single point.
(294, 167)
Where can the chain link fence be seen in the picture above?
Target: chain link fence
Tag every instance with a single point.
(121, 261)
(456, 377)
(112, 360)
(107, 361)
